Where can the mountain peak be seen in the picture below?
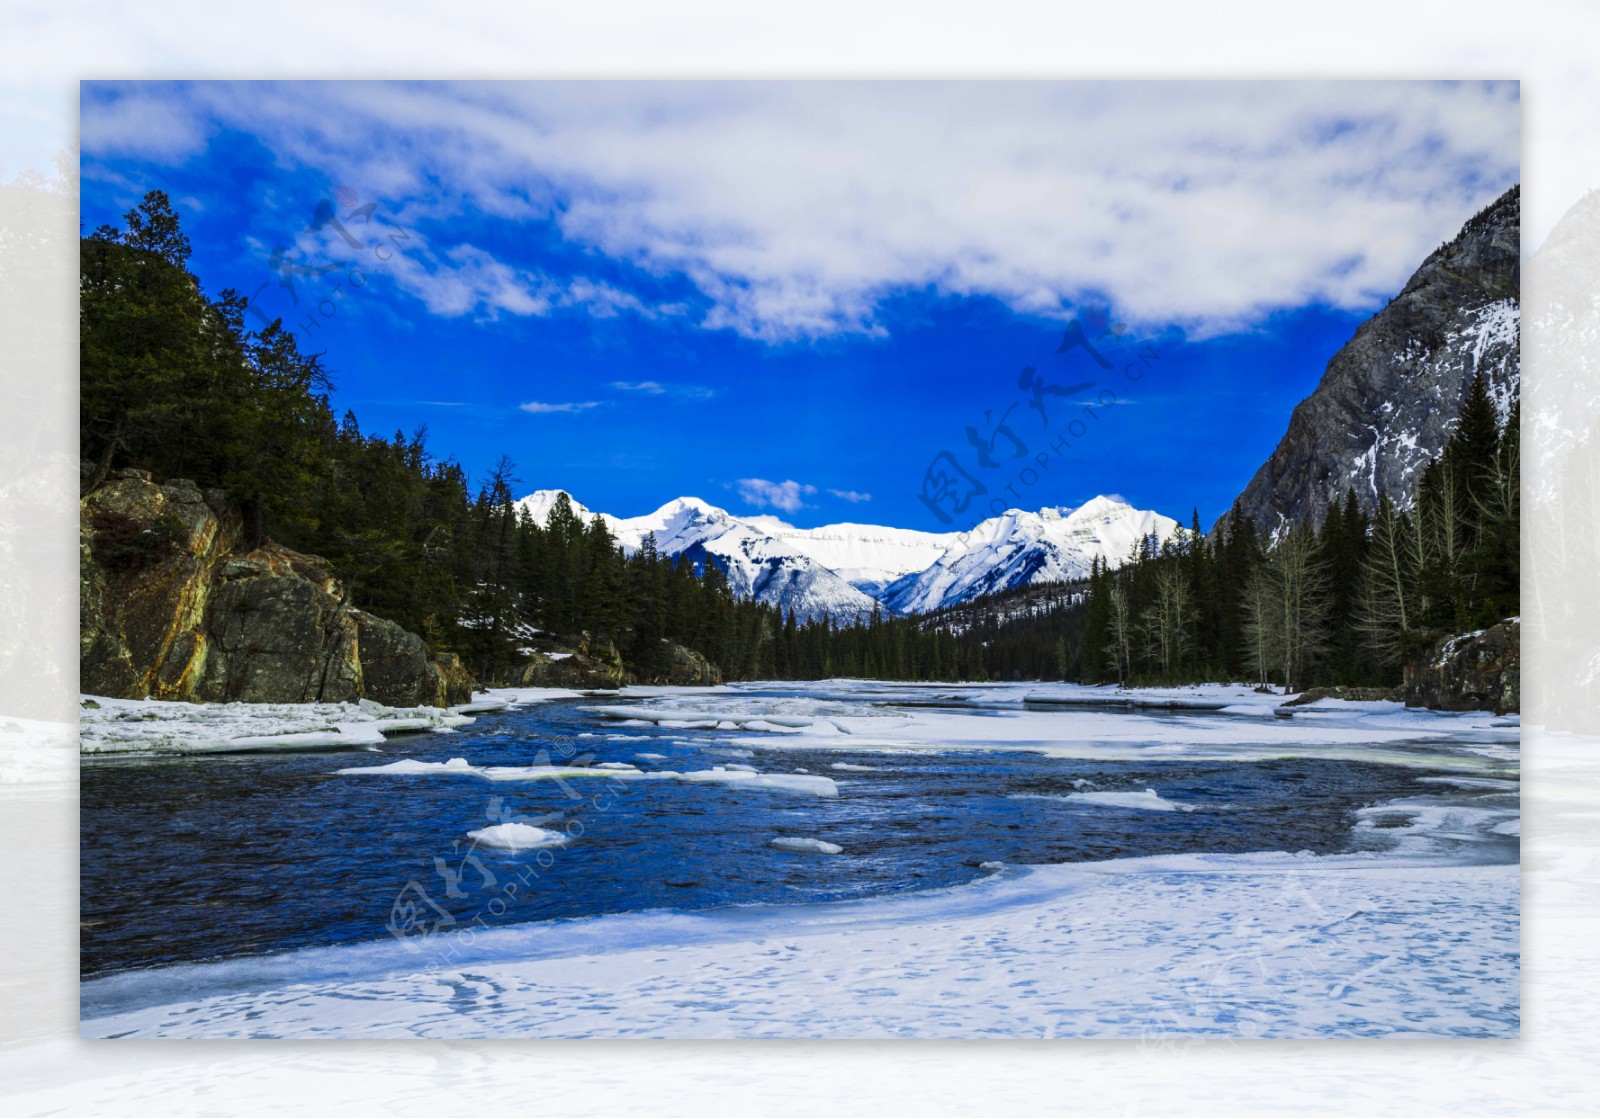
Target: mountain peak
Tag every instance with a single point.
(1388, 400)
(1020, 548)
(540, 502)
(1101, 506)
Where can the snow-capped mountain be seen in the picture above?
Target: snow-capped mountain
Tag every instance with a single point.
(869, 557)
(759, 563)
(846, 570)
(1019, 548)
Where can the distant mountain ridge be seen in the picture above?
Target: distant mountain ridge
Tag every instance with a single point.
(846, 571)
(1390, 397)
(1020, 548)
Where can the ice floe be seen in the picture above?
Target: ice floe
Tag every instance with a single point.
(1147, 801)
(738, 776)
(803, 845)
(517, 837)
(125, 726)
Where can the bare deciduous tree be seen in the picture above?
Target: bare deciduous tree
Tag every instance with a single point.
(1120, 629)
(1168, 624)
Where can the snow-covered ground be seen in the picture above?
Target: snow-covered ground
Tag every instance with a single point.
(1416, 935)
(1242, 946)
(150, 726)
(1213, 722)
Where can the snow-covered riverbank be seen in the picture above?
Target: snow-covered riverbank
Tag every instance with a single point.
(1415, 932)
(1263, 946)
(149, 726)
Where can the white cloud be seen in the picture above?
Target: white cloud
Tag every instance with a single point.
(539, 408)
(852, 496)
(656, 388)
(144, 121)
(788, 496)
(796, 208)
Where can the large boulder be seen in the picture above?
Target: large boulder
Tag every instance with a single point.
(171, 608)
(277, 629)
(1478, 671)
(687, 668)
(579, 662)
(397, 667)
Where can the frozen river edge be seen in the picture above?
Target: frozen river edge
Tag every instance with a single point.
(1270, 945)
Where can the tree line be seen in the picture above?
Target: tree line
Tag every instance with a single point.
(175, 382)
(1349, 601)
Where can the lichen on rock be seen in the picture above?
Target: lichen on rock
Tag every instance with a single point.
(170, 608)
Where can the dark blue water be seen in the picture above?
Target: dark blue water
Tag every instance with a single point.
(189, 859)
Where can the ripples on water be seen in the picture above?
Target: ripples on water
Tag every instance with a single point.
(187, 859)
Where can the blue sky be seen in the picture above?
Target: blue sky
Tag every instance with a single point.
(789, 297)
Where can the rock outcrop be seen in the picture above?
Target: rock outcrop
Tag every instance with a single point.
(594, 663)
(1350, 694)
(580, 662)
(1478, 671)
(1389, 399)
(689, 669)
(171, 609)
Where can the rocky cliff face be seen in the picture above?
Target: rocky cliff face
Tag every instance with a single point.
(1479, 671)
(1390, 397)
(170, 609)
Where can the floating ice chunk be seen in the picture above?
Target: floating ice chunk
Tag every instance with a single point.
(849, 767)
(1498, 784)
(480, 706)
(519, 696)
(653, 757)
(703, 720)
(1434, 827)
(554, 772)
(411, 765)
(517, 837)
(739, 776)
(1147, 801)
(807, 846)
(784, 782)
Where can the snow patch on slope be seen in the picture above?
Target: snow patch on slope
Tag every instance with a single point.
(1019, 549)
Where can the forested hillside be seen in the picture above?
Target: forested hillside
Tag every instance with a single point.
(174, 382)
(1347, 603)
